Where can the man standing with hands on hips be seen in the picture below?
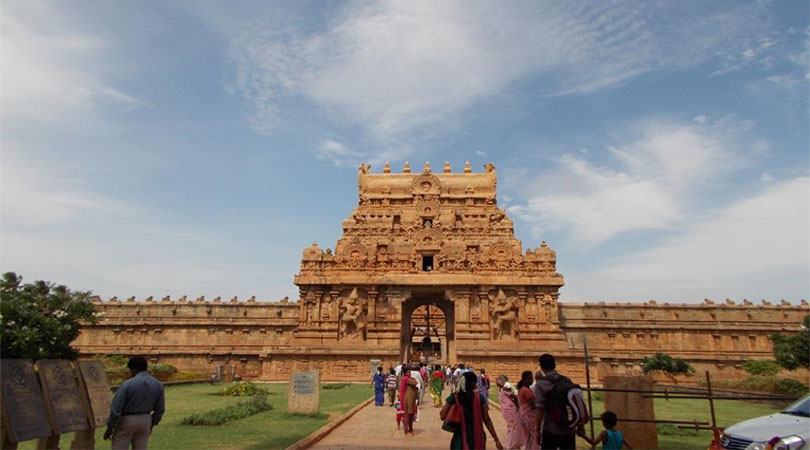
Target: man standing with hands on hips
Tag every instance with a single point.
(138, 406)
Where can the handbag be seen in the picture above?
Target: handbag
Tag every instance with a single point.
(452, 422)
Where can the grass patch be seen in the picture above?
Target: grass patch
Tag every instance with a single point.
(335, 385)
(266, 430)
(229, 413)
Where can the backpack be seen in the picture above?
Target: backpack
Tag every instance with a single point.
(565, 405)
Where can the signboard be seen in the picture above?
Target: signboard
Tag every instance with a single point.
(63, 399)
(303, 396)
(304, 383)
(93, 381)
(24, 415)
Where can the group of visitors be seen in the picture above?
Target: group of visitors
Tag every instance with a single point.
(545, 410)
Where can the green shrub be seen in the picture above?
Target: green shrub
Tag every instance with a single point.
(759, 383)
(793, 351)
(789, 386)
(243, 389)
(666, 363)
(230, 413)
(335, 385)
(755, 367)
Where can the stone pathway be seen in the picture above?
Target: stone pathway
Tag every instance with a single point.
(376, 427)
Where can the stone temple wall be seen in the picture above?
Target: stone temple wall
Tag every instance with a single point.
(257, 337)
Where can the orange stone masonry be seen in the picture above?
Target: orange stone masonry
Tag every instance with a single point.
(439, 239)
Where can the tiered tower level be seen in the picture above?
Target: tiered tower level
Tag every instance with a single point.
(433, 241)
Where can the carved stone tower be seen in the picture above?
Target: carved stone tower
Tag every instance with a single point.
(436, 241)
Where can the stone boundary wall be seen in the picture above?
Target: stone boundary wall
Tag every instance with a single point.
(258, 338)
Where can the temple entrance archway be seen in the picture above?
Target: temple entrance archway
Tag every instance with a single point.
(428, 329)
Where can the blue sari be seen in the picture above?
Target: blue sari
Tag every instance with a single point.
(379, 389)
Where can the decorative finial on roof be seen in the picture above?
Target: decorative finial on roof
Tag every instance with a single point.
(447, 167)
(427, 167)
(406, 168)
(543, 244)
(387, 168)
(467, 168)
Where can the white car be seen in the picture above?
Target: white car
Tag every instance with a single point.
(789, 427)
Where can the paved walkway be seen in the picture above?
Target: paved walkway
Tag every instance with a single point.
(376, 427)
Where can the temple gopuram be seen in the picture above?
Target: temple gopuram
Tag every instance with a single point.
(428, 268)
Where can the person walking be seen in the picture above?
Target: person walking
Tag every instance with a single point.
(137, 407)
(378, 380)
(483, 383)
(391, 382)
(550, 434)
(437, 385)
(610, 437)
(474, 416)
(515, 433)
(528, 413)
(408, 393)
(424, 374)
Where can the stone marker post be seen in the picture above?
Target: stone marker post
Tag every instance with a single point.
(23, 410)
(632, 405)
(96, 398)
(63, 402)
(304, 395)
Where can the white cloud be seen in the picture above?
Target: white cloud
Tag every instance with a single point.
(55, 227)
(395, 68)
(53, 72)
(338, 154)
(648, 183)
(757, 247)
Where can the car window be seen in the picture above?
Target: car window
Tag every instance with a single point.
(801, 407)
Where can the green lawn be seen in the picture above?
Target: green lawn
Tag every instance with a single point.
(728, 412)
(270, 429)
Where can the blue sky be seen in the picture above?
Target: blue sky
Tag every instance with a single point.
(153, 148)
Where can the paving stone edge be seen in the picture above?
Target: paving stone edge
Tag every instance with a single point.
(320, 433)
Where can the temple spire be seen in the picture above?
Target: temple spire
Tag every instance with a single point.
(447, 167)
(467, 168)
(387, 168)
(406, 168)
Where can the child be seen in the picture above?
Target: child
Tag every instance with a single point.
(613, 439)
(400, 412)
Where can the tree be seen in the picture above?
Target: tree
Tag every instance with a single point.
(667, 364)
(40, 319)
(793, 351)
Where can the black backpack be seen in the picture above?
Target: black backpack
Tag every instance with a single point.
(561, 410)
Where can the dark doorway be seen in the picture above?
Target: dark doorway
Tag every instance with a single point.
(427, 329)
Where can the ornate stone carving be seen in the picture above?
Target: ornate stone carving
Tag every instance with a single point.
(352, 323)
(426, 184)
(504, 316)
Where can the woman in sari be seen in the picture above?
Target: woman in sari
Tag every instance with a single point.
(408, 394)
(528, 413)
(515, 435)
(437, 386)
(379, 387)
(474, 415)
